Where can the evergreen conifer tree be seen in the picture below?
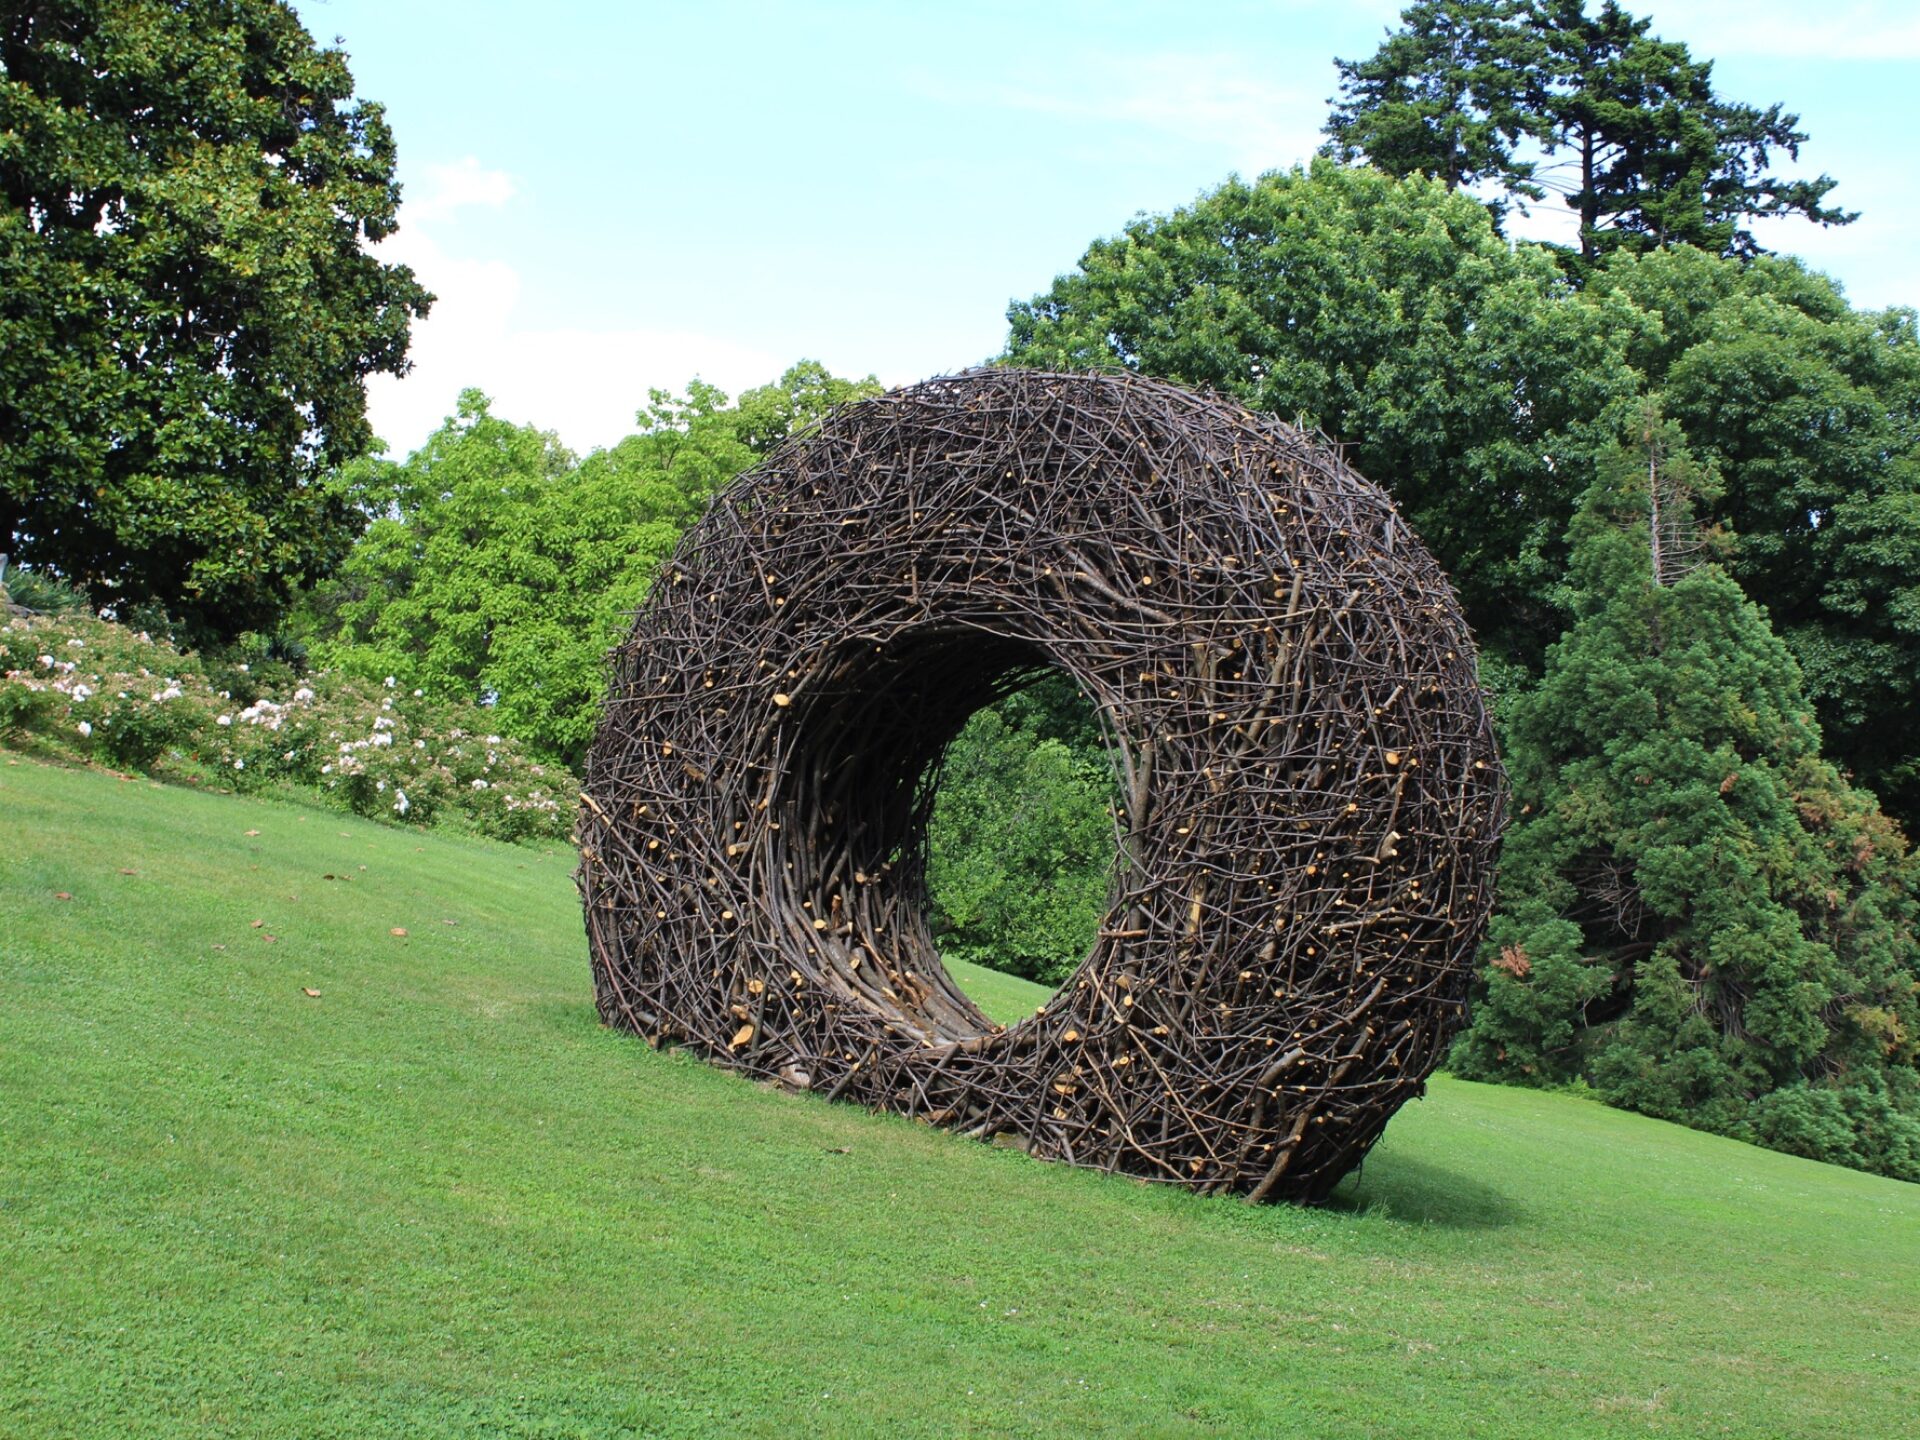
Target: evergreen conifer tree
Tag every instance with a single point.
(1701, 918)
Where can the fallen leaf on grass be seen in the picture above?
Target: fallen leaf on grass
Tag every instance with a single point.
(219, 947)
(839, 1150)
(449, 922)
(269, 938)
(257, 924)
(309, 992)
(398, 930)
(125, 871)
(253, 832)
(62, 895)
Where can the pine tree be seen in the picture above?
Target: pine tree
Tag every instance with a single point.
(1701, 918)
(1443, 97)
(1537, 96)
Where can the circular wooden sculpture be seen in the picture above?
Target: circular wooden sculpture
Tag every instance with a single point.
(1310, 808)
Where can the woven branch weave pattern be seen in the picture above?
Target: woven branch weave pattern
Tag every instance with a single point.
(1310, 796)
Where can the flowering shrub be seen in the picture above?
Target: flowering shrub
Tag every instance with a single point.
(93, 689)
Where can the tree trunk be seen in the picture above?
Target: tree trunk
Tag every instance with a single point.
(1589, 198)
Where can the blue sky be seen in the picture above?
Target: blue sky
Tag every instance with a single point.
(609, 197)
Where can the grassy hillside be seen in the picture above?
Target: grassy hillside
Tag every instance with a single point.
(438, 1198)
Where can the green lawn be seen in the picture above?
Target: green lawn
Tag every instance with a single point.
(439, 1199)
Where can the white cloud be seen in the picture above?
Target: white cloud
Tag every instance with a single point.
(1791, 29)
(582, 381)
(1209, 99)
(1545, 220)
(464, 184)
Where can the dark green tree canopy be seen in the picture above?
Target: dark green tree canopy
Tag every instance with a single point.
(1537, 96)
(188, 310)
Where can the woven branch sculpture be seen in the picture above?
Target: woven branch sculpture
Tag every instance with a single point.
(1310, 797)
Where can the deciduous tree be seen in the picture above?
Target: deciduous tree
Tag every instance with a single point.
(502, 568)
(188, 308)
(1810, 412)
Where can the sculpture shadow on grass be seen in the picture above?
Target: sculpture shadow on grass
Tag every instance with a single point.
(1419, 1192)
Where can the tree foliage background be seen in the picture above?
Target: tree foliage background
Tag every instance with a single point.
(501, 568)
(1699, 916)
(188, 312)
(1479, 385)
(1021, 838)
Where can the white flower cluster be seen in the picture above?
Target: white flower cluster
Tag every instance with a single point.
(380, 739)
(450, 772)
(65, 680)
(266, 713)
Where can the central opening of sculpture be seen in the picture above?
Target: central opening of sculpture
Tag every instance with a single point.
(947, 796)
(1021, 843)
